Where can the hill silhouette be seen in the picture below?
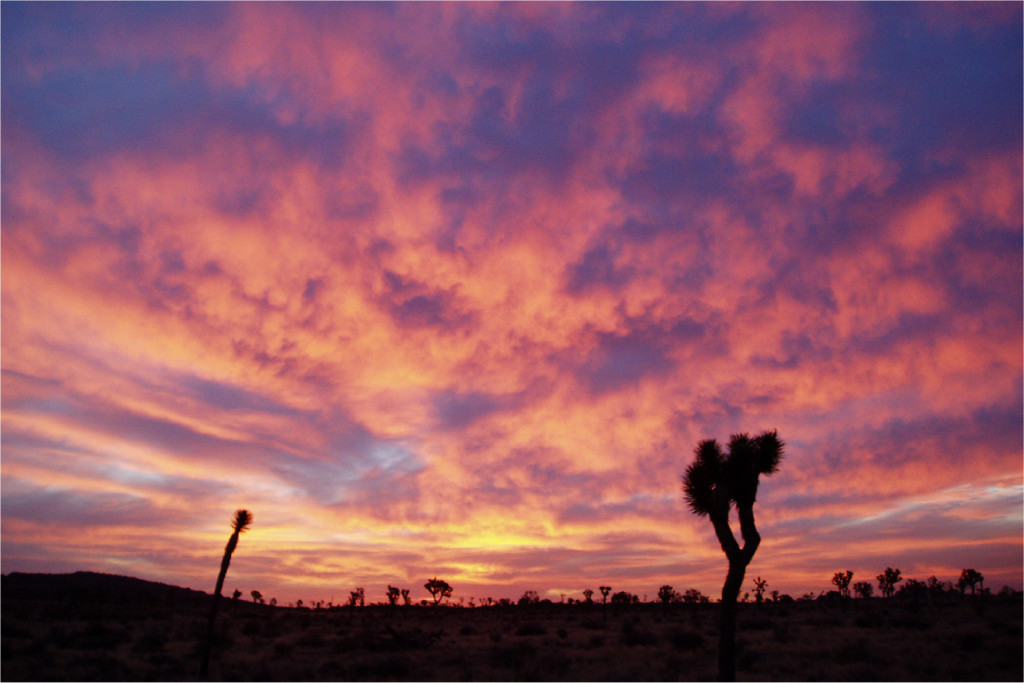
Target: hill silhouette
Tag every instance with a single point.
(95, 587)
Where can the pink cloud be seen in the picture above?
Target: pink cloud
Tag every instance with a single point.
(457, 289)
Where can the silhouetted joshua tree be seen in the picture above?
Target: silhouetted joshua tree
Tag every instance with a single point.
(864, 589)
(712, 484)
(842, 582)
(256, 596)
(589, 595)
(605, 590)
(667, 594)
(393, 594)
(357, 597)
(887, 581)
(438, 589)
(969, 578)
(760, 585)
(239, 523)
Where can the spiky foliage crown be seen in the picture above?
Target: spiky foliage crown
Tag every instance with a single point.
(241, 521)
(715, 480)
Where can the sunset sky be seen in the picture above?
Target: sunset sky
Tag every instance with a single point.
(455, 289)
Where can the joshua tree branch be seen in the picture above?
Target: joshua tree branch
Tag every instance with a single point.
(751, 538)
(725, 535)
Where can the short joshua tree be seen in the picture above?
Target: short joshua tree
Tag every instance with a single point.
(887, 581)
(760, 585)
(714, 483)
(605, 590)
(438, 589)
(393, 594)
(969, 578)
(589, 595)
(842, 582)
(667, 594)
(239, 523)
(864, 589)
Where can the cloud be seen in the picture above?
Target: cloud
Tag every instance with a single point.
(73, 508)
(459, 288)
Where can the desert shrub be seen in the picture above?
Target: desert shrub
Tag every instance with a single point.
(251, 628)
(781, 633)
(531, 629)
(911, 621)
(1013, 629)
(864, 672)
(867, 621)
(9, 650)
(495, 637)
(854, 652)
(150, 641)
(282, 649)
(333, 669)
(562, 634)
(634, 635)
(97, 667)
(595, 641)
(970, 642)
(160, 661)
(760, 624)
(592, 625)
(747, 657)
(311, 640)
(512, 656)
(381, 667)
(685, 639)
(12, 630)
(467, 630)
(96, 636)
(546, 666)
(348, 644)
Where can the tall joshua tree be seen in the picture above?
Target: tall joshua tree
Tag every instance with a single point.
(239, 523)
(715, 482)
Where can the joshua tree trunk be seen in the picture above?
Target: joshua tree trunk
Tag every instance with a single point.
(739, 558)
(241, 520)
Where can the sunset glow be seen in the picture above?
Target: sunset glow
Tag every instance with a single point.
(455, 289)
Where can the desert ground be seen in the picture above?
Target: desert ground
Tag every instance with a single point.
(155, 633)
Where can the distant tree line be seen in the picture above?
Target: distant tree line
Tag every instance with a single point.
(890, 583)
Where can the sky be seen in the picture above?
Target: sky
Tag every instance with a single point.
(455, 290)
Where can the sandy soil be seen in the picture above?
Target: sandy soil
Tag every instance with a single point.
(158, 639)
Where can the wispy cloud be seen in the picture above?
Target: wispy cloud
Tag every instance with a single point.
(456, 289)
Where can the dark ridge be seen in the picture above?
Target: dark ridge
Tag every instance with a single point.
(92, 587)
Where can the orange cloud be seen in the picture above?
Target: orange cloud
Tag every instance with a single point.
(456, 290)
